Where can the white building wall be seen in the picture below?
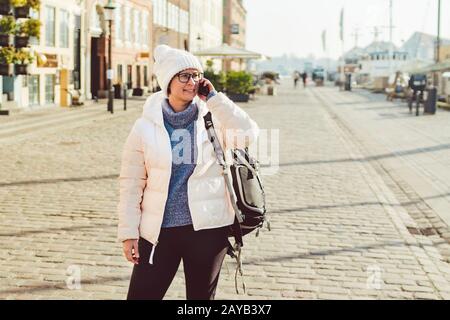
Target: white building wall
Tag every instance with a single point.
(65, 55)
(381, 67)
(206, 22)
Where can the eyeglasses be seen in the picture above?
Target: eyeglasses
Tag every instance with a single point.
(184, 77)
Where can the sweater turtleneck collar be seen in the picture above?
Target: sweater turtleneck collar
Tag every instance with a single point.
(179, 119)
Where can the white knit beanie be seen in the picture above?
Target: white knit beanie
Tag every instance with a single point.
(170, 61)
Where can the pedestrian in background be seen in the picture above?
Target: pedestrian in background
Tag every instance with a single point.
(174, 204)
(296, 77)
(304, 77)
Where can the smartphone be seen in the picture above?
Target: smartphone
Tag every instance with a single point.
(203, 88)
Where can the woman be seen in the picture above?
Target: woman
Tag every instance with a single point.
(174, 204)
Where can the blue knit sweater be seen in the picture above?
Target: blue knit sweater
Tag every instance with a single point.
(181, 129)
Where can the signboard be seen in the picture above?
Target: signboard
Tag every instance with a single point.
(47, 60)
(142, 55)
(109, 74)
(234, 28)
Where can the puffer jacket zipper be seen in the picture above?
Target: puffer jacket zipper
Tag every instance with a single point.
(150, 260)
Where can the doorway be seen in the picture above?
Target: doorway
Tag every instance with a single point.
(98, 67)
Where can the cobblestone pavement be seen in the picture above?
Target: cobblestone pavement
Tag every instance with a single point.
(339, 224)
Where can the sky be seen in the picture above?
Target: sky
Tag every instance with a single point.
(277, 27)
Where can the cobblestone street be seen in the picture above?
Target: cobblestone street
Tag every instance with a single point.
(354, 214)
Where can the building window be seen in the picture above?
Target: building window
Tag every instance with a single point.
(129, 76)
(160, 12)
(170, 22)
(77, 52)
(164, 13)
(64, 28)
(95, 19)
(174, 13)
(34, 14)
(119, 73)
(137, 38)
(49, 88)
(138, 76)
(184, 22)
(177, 19)
(118, 22)
(145, 28)
(127, 24)
(49, 26)
(33, 89)
(145, 76)
(155, 6)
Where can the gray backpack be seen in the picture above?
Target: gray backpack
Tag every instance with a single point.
(246, 191)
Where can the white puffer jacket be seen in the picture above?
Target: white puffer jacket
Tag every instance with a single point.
(147, 163)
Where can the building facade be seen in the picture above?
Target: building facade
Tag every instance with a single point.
(170, 26)
(56, 69)
(422, 46)
(444, 52)
(131, 47)
(171, 23)
(206, 27)
(234, 30)
(381, 59)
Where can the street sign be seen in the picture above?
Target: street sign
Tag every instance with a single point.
(109, 74)
(235, 28)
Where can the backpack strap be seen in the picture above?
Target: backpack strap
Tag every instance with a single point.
(221, 159)
(233, 251)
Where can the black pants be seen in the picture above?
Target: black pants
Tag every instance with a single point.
(202, 252)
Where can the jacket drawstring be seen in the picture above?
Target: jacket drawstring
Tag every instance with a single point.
(150, 260)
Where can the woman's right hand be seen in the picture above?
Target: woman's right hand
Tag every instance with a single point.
(131, 251)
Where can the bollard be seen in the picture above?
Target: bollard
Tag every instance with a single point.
(430, 103)
(125, 97)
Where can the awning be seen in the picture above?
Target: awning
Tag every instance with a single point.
(414, 66)
(441, 66)
(225, 51)
(437, 67)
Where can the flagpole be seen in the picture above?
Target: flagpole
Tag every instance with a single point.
(343, 48)
(390, 40)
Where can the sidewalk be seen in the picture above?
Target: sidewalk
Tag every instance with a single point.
(339, 225)
(20, 125)
(414, 151)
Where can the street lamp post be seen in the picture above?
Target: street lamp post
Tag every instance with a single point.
(109, 16)
(438, 42)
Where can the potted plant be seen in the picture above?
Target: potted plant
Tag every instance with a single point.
(238, 85)
(7, 28)
(7, 61)
(138, 92)
(217, 79)
(5, 7)
(25, 30)
(22, 59)
(34, 4)
(21, 8)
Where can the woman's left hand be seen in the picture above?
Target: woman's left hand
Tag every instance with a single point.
(204, 82)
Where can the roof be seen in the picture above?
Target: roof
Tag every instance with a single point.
(380, 46)
(354, 53)
(226, 51)
(435, 67)
(422, 46)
